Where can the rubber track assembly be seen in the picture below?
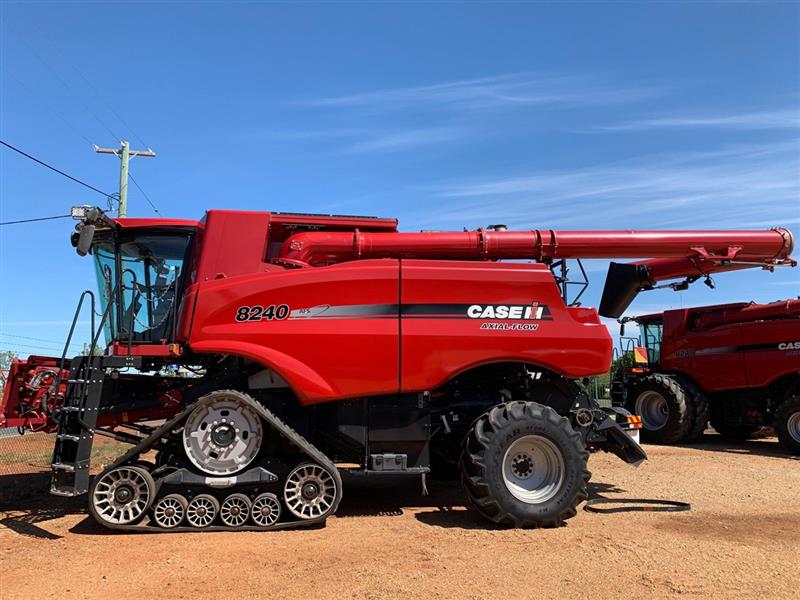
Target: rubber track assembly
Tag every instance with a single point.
(167, 497)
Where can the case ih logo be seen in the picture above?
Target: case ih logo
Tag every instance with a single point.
(789, 346)
(520, 312)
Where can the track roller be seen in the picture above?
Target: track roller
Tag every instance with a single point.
(310, 491)
(266, 510)
(235, 510)
(202, 510)
(170, 511)
(122, 495)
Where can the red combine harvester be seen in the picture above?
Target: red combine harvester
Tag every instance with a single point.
(737, 365)
(274, 350)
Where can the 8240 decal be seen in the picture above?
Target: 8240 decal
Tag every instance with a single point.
(277, 312)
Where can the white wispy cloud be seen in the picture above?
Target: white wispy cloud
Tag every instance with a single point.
(775, 119)
(740, 186)
(403, 140)
(491, 92)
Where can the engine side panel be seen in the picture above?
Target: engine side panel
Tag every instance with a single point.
(731, 356)
(330, 332)
(713, 358)
(456, 315)
(772, 350)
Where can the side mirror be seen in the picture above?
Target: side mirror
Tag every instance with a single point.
(621, 328)
(85, 240)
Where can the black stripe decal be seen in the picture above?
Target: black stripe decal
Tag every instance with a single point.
(769, 347)
(407, 311)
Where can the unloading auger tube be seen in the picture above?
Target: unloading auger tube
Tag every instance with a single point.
(673, 254)
(213, 472)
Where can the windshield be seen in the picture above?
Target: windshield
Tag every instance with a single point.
(150, 267)
(652, 340)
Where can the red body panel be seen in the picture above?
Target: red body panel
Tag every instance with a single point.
(355, 309)
(324, 357)
(726, 347)
(573, 343)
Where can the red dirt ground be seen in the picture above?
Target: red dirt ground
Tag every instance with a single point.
(740, 540)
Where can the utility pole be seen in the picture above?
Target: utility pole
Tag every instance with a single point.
(124, 153)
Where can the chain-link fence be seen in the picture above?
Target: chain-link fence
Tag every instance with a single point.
(25, 462)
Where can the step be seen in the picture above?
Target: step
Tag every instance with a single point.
(66, 492)
(62, 467)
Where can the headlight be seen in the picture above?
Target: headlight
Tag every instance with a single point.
(79, 212)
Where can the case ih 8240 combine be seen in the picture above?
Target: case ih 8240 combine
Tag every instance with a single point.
(306, 344)
(737, 365)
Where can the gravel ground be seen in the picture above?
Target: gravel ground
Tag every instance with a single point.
(741, 539)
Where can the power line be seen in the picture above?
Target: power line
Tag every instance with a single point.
(52, 168)
(96, 92)
(36, 219)
(71, 91)
(108, 106)
(30, 346)
(35, 339)
(146, 197)
(41, 99)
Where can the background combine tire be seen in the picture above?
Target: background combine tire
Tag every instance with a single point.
(665, 408)
(523, 465)
(698, 405)
(787, 424)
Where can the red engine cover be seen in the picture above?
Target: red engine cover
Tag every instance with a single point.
(381, 326)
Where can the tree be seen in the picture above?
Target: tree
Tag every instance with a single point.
(6, 356)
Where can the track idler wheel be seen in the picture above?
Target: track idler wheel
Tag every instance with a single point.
(121, 496)
(202, 510)
(170, 511)
(235, 510)
(266, 510)
(310, 491)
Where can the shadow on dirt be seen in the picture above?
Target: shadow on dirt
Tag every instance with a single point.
(713, 442)
(26, 501)
(454, 515)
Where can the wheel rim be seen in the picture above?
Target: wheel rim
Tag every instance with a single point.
(201, 511)
(223, 437)
(309, 491)
(235, 510)
(266, 510)
(169, 511)
(793, 426)
(533, 469)
(653, 409)
(122, 495)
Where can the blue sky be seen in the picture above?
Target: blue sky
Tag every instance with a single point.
(450, 115)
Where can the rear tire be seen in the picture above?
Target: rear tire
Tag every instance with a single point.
(787, 424)
(523, 465)
(698, 402)
(664, 406)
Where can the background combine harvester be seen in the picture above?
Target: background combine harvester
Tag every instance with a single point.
(275, 346)
(737, 365)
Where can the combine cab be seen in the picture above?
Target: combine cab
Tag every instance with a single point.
(737, 365)
(250, 358)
